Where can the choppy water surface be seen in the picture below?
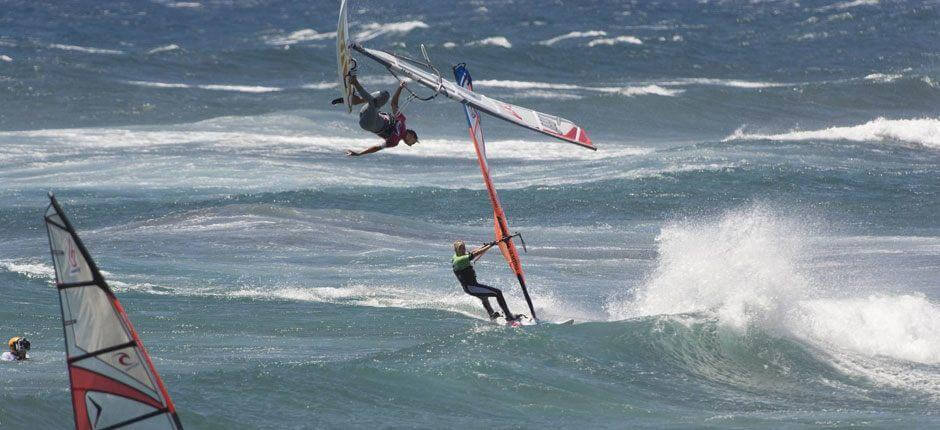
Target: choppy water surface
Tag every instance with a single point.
(755, 243)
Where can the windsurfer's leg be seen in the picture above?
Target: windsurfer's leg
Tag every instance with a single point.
(480, 290)
(361, 95)
(503, 306)
(370, 120)
(486, 305)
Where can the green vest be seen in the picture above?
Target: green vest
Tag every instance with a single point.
(461, 262)
(463, 268)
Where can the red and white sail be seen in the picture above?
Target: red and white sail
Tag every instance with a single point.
(544, 123)
(114, 384)
(500, 225)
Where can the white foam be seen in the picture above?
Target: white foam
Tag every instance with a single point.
(158, 84)
(303, 35)
(524, 85)
(849, 4)
(492, 41)
(449, 45)
(626, 91)
(734, 83)
(241, 88)
(572, 35)
(165, 48)
(28, 268)
(883, 78)
(211, 87)
(905, 327)
(373, 30)
(86, 49)
(550, 95)
(184, 5)
(643, 90)
(320, 86)
(923, 132)
(741, 266)
(632, 40)
(6, 58)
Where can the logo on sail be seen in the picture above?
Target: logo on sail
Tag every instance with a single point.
(124, 359)
(74, 268)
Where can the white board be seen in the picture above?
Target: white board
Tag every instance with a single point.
(343, 59)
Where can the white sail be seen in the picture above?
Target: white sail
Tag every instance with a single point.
(551, 125)
(114, 384)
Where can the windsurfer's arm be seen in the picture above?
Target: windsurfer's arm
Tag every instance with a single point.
(477, 253)
(368, 150)
(395, 97)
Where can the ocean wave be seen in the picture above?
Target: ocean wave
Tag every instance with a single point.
(86, 49)
(492, 41)
(882, 77)
(183, 4)
(630, 91)
(746, 270)
(303, 35)
(734, 83)
(572, 35)
(28, 268)
(320, 86)
(643, 91)
(240, 88)
(632, 40)
(165, 48)
(922, 132)
(373, 30)
(212, 87)
(849, 4)
(6, 58)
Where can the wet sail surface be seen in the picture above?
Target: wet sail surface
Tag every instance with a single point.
(114, 383)
(500, 225)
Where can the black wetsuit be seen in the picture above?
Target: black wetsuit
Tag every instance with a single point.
(463, 269)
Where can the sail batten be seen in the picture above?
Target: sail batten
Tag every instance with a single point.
(113, 381)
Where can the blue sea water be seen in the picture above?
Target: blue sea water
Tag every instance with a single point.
(755, 244)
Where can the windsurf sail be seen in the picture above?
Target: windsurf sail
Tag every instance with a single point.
(500, 225)
(551, 125)
(114, 384)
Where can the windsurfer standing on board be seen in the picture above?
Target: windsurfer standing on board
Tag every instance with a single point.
(18, 348)
(463, 269)
(390, 127)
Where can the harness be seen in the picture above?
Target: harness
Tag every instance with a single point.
(390, 126)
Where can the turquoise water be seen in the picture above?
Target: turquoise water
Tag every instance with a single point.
(755, 244)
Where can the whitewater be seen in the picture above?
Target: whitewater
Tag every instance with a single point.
(755, 244)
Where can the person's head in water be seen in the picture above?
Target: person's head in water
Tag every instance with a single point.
(411, 137)
(460, 248)
(19, 346)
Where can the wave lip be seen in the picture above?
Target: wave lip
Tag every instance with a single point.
(629, 91)
(302, 35)
(85, 49)
(492, 41)
(572, 35)
(165, 48)
(922, 132)
(254, 89)
(632, 40)
(373, 30)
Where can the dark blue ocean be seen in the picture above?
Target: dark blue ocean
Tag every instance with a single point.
(755, 244)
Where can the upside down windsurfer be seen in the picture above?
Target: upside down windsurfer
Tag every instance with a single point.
(390, 127)
(463, 269)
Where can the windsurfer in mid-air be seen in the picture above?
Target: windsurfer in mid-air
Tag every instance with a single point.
(18, 348)
(390, 127)
(463, 269)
